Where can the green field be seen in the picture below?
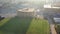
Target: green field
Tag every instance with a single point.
(24, 26)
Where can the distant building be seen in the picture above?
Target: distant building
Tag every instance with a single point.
(50, 10)
(26, 12)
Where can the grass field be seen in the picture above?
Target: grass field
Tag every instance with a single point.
(4, 21)
(24, 26)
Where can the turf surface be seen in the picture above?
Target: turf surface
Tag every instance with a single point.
(24, 26)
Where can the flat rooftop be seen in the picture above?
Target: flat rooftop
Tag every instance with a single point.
(50, 6)
(27, 10)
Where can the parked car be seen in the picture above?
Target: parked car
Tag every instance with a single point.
(56, 18)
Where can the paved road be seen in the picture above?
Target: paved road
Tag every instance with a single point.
(53, 31)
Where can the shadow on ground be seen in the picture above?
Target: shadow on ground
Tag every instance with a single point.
(16, 26)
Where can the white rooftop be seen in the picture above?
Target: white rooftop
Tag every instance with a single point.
(27, 10)
(49, 6)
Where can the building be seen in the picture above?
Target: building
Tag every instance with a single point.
(51, 9)
(26, 12)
